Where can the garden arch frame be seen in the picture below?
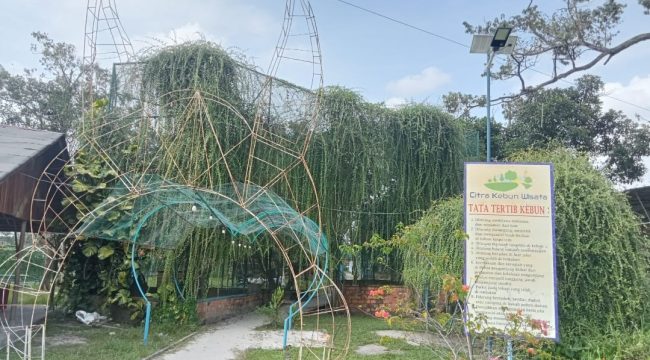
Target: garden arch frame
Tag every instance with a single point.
(330, 302)
(296, 47)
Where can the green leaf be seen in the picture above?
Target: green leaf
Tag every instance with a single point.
(108, 232)
(89, 249)
(105, 252)
(122, 277)
(95, 171)
(113, 216)
(69, 171)
(110, 172)
(127, 205)
(78, 186)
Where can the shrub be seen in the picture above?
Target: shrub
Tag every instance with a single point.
(272, 309)
(601, 253)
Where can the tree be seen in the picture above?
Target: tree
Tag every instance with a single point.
(572, 39)
(574, 118)
(49, 99)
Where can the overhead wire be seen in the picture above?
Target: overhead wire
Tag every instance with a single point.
(403, 23)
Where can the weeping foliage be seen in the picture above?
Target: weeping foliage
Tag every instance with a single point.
(373, 166)
(376, 167)
(171, 75)
(601, 254)
(434, 245)
(192, 65)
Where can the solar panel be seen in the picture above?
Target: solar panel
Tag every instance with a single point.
(481, 44)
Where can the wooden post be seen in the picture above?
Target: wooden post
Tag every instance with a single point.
(20, 244)
(19, 247)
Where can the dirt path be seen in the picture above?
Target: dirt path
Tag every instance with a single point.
(226, 340)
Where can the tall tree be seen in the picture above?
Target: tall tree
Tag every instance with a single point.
(48, 98)
(572, 39)
(574, 118)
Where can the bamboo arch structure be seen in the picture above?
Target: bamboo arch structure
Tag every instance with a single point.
(184, 170)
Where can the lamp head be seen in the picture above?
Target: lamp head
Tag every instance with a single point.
(500, 38)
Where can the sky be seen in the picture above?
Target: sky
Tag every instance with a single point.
(381, 59)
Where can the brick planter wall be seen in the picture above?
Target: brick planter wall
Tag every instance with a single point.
(358, 298)
(215, 309)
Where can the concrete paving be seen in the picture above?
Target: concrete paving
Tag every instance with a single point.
(226, 340)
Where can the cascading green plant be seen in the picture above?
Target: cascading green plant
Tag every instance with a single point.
(602, 257)
(373, 166)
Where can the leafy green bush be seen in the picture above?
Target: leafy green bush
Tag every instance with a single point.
(433, 246)
(97, 273)
(174, 310)
(601, 254)
(272, 309)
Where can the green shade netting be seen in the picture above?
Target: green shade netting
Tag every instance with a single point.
(162, 214)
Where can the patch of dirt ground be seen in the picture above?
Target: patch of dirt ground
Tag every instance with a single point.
(59, 340)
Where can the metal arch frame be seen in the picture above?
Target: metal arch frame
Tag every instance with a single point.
(294, 9)
(294, 309)
(102, 17)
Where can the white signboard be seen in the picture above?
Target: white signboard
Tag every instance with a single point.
(510, 252)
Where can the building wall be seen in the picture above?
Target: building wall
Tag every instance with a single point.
(214, 309)
(359, 299)
(357, 296)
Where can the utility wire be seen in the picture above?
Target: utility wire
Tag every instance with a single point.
(403, 23)
(466, 46)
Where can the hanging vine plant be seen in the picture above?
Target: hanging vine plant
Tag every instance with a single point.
(377, 167)
(374, 166)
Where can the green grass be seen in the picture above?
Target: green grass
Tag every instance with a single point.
(26, 298)
(107, 343)
(125, 342)
(363, 333)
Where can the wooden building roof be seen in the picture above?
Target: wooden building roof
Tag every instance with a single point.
(640, 201)
(25, 155)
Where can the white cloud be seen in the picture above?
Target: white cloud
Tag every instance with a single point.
(395, 102)
(418, 84)
(251, 28)
(637, 92)
(188, 32)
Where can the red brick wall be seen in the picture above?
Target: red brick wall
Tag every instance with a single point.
(358, 298)
(215, 309)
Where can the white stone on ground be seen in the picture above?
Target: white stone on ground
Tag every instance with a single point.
(415, 338)
(375, 349)
(411, 337)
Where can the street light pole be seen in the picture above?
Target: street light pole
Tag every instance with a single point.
(488, 130)
(488, 126)
(502, 43)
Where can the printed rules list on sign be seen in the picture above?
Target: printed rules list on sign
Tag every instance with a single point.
(510, 250)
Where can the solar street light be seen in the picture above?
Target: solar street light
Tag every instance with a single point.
(499, 43)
